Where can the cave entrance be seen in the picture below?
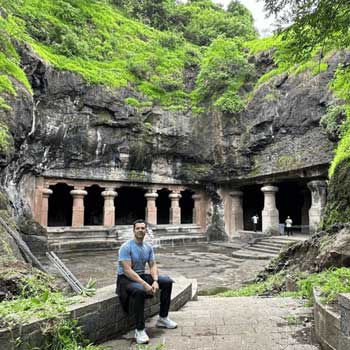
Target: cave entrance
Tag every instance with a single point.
(253, 203)
(60, 205)
(93, 203)
(130, 205)
(163, 204)
(293, 199)
(186, 205)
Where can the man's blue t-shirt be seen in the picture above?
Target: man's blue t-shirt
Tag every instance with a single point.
(138, 254)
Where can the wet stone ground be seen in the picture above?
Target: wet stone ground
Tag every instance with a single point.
(212, 266)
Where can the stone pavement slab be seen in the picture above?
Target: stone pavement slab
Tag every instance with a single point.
(217, 323)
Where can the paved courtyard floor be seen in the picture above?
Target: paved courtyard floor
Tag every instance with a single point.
(248, 323)
(211, 265)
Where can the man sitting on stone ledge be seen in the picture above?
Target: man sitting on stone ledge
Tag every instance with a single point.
(133, 283)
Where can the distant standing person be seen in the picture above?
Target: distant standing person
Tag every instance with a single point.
(255, 220)
(289, 223)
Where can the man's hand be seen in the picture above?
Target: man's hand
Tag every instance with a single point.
(148, 288)
(155, 287)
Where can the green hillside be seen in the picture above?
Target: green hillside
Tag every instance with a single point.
(97, 40)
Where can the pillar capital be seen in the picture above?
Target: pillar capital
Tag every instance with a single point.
(46, 191)
(109, 193)
(269, 189)
(151, 195)
(175, 196)
(78, 193)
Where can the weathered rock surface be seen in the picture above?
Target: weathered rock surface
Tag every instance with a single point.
(70, 126)
(323, 250)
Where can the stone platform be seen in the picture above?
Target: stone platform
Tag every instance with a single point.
(99, 238)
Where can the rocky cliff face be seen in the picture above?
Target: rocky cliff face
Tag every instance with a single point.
(71, 128)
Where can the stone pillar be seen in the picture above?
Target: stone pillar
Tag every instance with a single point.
(109, 208)
(270, 215)
(78, 207)
(175, 210)
(237, 211)
(318, 190)
(151, 209)
(46, 192)
(196, 218)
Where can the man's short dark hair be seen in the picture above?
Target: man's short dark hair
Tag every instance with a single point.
(139, 221)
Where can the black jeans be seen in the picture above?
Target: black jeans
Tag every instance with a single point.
(137, 295)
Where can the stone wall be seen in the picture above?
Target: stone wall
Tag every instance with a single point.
(327, 324)
(101, 317)
(344, 338)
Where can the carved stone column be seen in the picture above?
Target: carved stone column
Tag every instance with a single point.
(46, 192)
(175, 210)
(151, 209)
(270, 215)
(78, 206)
(196, 218)
(237, 211)
(318, 190)
(109, 209)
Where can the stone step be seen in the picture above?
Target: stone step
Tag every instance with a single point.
(256, 248)
(281, 240)
(251, 255)
(272, 244)
(83, 245)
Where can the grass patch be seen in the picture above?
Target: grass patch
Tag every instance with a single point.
(331, 282)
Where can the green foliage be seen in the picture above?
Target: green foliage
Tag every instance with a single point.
(315, 23)
(333, 120)
(67, 335)
(330, 282)
(6, 85)
(271, 285)
(338, 202)
(202, 22)
(223, 71)
(5, 138)
(37, 300)
(265, 44)
(156, 13)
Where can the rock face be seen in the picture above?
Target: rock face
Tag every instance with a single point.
(72, 125)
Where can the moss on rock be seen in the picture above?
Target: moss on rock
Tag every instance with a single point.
(338, 204)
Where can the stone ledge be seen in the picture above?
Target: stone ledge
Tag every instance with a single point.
(101, 317)
(327, 324)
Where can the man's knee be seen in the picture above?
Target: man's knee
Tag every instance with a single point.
(136, 290)
(165, 281)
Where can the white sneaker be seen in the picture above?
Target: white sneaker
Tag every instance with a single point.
(141, 336)
(165, 322)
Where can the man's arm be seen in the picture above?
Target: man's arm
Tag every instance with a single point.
(154, 273)
(130, 273)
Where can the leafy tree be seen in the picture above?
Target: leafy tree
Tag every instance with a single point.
(312, 23)
(202, 21)
(155, 13)
(223, 71)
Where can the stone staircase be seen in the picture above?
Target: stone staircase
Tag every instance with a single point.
(94, 238)
(266, 248)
